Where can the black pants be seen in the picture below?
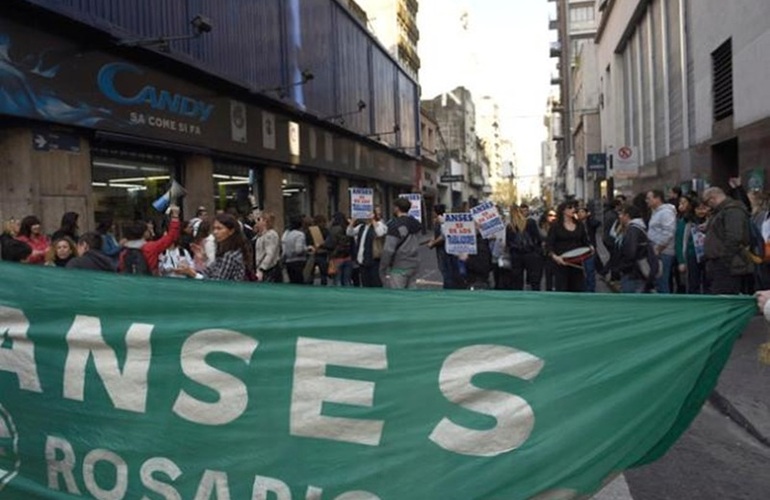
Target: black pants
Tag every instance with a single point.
(569, 279)
(296, 273)
(370, 275)
(530, 263)
(720, 281)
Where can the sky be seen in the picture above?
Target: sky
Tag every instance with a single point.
(503, 53)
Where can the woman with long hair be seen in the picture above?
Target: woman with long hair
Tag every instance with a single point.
(566, 234)
(233, 259)
(30, 233)
(69, 227)
(546, 221)
(687, 227)
(61, 252)
(267, 249)
(523, 240)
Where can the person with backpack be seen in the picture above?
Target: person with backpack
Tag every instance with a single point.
(140, 256)
(340, 248)
(633, 248)
(399, 261)
(523, 239)
(90, 255)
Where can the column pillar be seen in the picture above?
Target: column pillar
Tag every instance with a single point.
(199, 185)
(320, 195)
(274, 195)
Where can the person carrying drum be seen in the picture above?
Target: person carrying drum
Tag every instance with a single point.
(568, 245)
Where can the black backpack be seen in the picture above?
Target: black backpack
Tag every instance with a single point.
(134, 262)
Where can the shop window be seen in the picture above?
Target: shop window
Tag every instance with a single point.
(126, 184)
(296, 195)
(234, 186)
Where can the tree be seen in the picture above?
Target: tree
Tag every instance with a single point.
(505, 192)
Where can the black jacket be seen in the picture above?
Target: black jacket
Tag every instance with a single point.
(633, 247)
(93, 260)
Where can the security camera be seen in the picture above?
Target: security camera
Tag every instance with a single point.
(202, 24)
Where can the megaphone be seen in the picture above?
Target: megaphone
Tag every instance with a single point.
(175, 191)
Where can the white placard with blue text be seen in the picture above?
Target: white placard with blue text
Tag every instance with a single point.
(459, 234)
(488, 218)
(416, 200)
(361, 203)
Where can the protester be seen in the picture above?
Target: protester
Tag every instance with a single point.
(546, 221)
(294, 250)
(661, 230)
(61, 252)
(110, 246)
(174, 257)
(522, 237)
(398, 267)
(233, 261)
(267, 249)
(590, 265)
(369, 236)
(13, 250)
(439, 243)
(30, 233)
(689, 245)
(69, 227)
(139, 255)
(90, 256)
(728, 265)
(475, 268)
(317, 234)
(564, 235)
(633, 248)
(340, 248)
(11, 227)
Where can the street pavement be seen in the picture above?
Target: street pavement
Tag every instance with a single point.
(725, 454)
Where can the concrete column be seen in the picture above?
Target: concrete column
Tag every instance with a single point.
(320, 195)
(199, 184)
(18, 189)
(344, 195)
(274, 195)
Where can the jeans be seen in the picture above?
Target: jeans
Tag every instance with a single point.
(662, 283)
(590, 267)
(344, 272)
(445, 267)
(631, 285)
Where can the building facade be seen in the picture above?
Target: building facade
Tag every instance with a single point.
(394, 23)
(684, 85)
(286, 105)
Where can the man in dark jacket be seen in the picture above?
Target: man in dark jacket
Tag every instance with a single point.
(728, 264)
(632, 248)
(90, 255)
(398, 265)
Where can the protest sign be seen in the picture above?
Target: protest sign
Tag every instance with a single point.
(361, 203)
(129, 387)
(488, 218)
(459, 232)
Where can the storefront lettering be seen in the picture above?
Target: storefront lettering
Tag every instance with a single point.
(162, 100)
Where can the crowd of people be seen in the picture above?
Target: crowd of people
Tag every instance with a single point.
(674, 243)
(347, 252)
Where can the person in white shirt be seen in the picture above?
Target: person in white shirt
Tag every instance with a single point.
(172, 258)
(369, 238)
(661, 231)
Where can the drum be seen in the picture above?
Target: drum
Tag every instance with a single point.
(577, 255)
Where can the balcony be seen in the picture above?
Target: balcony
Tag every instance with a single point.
(555, 49)
(553, 24)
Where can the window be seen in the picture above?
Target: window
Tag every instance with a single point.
(233, 184)
(125, 184)
(722, 81)
(581, 14)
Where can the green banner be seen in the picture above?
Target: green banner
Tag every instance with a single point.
(117, 387)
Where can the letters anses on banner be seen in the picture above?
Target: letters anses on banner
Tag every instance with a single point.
(127, 388)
